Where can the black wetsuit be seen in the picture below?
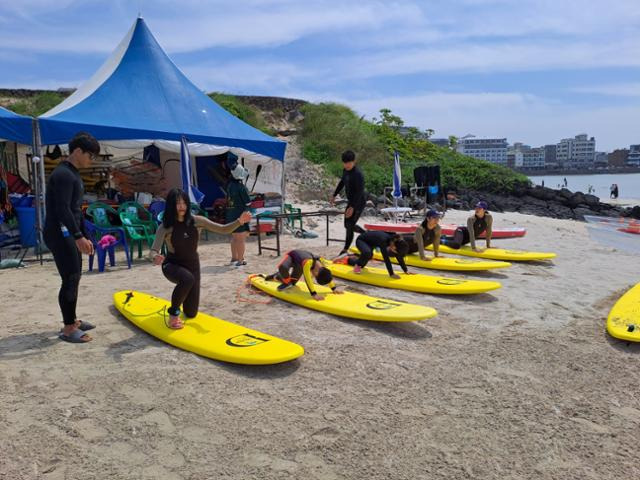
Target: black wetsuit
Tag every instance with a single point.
(63, 225)
(295, 264)
(367, 242)
(182, 263)
(470, 233)
(182, 267)
(353, 183)
(422, 238)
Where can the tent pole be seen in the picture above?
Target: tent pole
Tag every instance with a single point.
(283, 183)
(38, 177)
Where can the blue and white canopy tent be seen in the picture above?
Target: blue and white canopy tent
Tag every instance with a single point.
(15, 128)
(139, 97)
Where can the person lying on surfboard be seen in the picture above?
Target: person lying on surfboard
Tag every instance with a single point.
(480, 222)
(427, 233)
(388, 243)
(300, 263)
(180, 232)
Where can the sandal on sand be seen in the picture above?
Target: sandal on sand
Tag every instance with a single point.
(85, 326)
(75, 337)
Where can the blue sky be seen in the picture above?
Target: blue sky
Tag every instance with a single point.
(533, 71)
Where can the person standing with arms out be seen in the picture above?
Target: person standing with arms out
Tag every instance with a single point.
(180, 231)
(238, 202)
(353, 182)
(64, 232)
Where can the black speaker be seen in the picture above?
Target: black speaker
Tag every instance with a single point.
(433, 175)
(421, 176)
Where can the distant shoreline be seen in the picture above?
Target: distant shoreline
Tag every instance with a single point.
(584, 171)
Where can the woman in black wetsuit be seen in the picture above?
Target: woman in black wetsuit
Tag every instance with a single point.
(180, 232)
(427, 233)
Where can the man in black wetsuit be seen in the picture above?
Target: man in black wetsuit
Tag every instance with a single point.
(353, 182)
(64, 231)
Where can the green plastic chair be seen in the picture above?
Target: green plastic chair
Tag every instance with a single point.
(137, 233)
(293, 216)
(138, 214)
(101, 214)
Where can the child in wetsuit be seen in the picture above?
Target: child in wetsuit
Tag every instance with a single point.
(180, 232)
(298, 263)
(388, 243)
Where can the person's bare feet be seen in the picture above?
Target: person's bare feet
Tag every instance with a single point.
(175, 322)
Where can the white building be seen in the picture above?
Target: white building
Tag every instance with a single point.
(577, 152)
(523, 156)
(492, 150)
(533, 158)
(634, 155)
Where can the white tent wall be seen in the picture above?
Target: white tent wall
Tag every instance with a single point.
(269, 180)
(24, 152)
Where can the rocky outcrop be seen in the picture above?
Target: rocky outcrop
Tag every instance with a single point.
(544, 202)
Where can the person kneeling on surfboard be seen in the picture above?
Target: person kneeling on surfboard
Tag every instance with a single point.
(480, 222)
(180, 232)
(427, 233)
(388, 243)
(298, 263)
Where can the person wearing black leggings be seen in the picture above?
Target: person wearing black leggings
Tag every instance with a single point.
(388, 244)
(180, 232)
(64, 232)
(353, 182)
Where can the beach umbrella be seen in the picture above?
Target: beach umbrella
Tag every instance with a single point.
(397, 179)
(195, 195)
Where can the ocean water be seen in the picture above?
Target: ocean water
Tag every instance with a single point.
(628, 183)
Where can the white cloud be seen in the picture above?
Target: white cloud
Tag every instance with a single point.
(613, 89)
(496, 58)
(242, 27)
(246, 77)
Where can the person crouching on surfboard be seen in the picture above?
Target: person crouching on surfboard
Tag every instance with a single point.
(298, 263)
(427, 233)
(180, 231)
(480, 222)
(388, 243)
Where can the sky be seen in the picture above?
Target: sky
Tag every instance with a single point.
(533, 71)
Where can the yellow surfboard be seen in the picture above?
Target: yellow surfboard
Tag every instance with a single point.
(414, 283)
(624, 318)
(440, 263)
(205, 335)
(497, 254)
(347, 304)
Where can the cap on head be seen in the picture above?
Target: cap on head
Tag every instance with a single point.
(482, 204)
(433, 214)
(239, 173)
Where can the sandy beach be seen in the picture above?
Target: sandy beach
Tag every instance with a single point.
(520, 383)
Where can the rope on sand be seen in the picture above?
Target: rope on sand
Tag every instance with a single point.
(251, 290)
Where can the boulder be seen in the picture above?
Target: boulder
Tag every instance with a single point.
(591, 200)
(581, 211)
(565, 193)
